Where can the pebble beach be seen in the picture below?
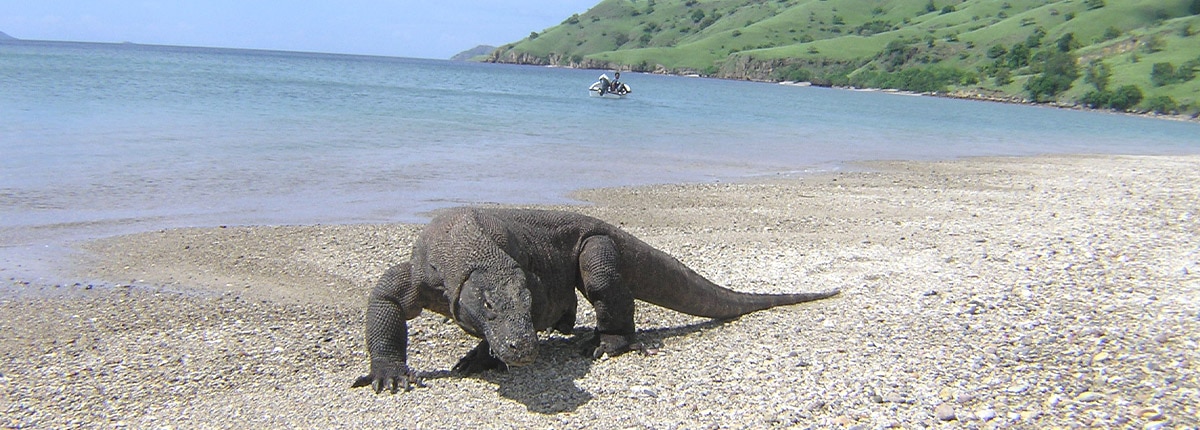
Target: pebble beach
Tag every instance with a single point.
(1032, 292)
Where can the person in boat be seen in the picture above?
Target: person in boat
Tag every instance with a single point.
(605, 84)
(615, 85)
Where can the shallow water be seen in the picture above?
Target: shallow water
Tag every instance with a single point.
(101, 139)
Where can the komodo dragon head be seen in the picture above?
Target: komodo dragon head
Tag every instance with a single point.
(498, 308)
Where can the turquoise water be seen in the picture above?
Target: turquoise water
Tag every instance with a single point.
(99, 139)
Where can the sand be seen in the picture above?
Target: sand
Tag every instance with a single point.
(991, 292)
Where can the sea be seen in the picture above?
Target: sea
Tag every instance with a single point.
(106, 139)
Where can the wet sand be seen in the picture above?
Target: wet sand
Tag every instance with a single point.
(1029, 292)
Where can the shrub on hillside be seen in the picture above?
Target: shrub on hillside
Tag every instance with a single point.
(917, 79)
(1057, 72)
(793, 73)
(1125, 97)
(1122, 99)
(1044, 88)
(1110, 34)
(874, 27)
(996, 51)
(1162, 104)
(1162, 74)
(1097, 74)
(1166, 74)
(1002, 76)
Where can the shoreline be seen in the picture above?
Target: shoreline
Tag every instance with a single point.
(973, 95)
(1001, 291)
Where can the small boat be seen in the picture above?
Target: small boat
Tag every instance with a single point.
(605, 88)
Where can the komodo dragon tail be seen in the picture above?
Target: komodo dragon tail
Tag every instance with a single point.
(665, 281)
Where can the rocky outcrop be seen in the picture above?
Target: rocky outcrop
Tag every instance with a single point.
(507, 55)
(478, 51)
(747, 68)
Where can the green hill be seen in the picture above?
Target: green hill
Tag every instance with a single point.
(1119, 54)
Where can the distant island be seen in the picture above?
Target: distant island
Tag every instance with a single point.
(1124, 55)
(4, 36)
(477, 53)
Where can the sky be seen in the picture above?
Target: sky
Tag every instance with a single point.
(400, 28)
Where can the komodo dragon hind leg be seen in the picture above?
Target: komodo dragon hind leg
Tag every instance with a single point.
(478, 360)
(612, 299)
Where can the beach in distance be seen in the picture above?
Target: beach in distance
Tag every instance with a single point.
(1053, 291)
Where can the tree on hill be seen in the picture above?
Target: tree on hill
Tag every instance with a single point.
(1123, 99)
(1097, 74)
(1058, 72)
(1165, 73)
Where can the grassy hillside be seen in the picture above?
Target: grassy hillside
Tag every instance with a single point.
(1040, 50)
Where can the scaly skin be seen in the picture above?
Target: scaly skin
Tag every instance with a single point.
(505, 274)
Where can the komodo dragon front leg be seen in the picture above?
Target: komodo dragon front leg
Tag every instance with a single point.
(393, 301)
(612, 299)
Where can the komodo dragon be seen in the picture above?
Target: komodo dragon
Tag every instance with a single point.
(504, 274)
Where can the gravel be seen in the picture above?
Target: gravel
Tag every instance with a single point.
(1026, 292)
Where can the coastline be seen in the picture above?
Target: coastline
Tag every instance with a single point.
(974, 95)
(1040, 291)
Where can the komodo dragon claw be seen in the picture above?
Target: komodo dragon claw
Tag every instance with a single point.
(388, 376)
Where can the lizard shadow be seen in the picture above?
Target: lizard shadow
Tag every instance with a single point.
(548, 385)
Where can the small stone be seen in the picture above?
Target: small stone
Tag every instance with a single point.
(1089, 396)
(1017, 389)
(985, 414)
(1053, 401)
(1150, 414)
(643, 391)
(946, 393)
(964, 398)
(945, 412)
(843, 420)
(1100, 357)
